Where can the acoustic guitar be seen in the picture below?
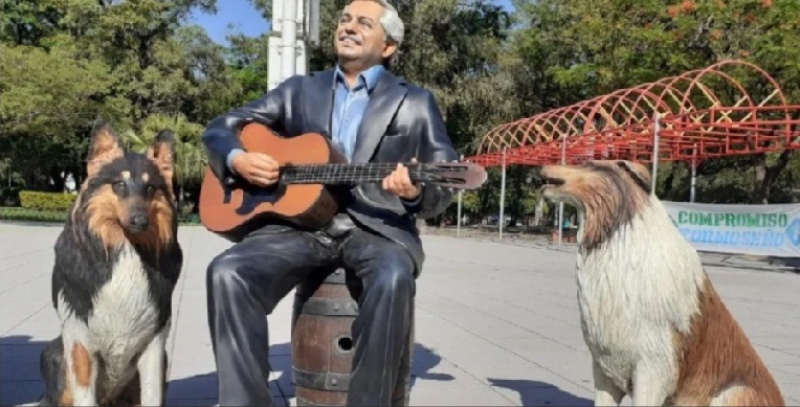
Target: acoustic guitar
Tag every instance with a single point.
(309, 168)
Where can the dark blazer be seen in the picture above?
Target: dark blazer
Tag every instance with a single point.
(401, 121)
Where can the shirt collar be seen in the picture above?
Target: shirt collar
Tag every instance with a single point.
(370, 77)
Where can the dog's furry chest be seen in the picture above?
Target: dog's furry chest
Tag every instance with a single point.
(125, 312)
(631, 303)
(612, 331)
(123, 317)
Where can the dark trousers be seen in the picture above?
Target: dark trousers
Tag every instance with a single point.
(245, 282)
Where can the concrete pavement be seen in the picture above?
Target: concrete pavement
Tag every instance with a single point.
(497, 324)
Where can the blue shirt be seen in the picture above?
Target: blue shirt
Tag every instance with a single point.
(349, 106)
(348, 109)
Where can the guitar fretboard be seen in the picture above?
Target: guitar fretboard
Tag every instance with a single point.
(333, 174)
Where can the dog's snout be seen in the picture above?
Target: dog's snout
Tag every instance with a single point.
(139, 221)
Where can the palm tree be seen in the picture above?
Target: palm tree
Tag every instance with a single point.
(190, 157)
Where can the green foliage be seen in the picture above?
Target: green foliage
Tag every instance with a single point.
(47, 93)
(59, 216)
(124, 62)
(264, 7)
(49, 201)
(32, 215)
(248, 67)
(190, 158)
(26, 22)
(140, 65)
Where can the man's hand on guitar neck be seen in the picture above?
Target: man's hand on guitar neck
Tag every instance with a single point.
(257, 168)
(399, 183)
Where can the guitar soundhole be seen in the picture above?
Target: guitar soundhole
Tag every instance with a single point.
(253, 196)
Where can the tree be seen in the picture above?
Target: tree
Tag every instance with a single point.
(48, 104)
(190, 158)
(593, 47)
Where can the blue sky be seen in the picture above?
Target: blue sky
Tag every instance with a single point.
(245, 19)
(241, 13)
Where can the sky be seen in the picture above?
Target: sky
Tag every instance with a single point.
(245, 19)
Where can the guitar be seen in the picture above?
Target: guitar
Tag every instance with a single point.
(302, 195)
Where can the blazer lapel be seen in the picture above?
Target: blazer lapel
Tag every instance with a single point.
(318, 104)
(383, 104)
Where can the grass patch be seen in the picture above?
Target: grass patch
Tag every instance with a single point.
(51, 216)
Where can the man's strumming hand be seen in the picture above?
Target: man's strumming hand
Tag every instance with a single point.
(399, 183)
(257, 168)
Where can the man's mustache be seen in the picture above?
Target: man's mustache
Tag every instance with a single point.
(352, 37)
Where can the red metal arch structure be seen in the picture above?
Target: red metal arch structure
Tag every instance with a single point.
(729, 108)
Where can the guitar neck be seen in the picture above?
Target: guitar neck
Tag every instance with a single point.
(338, 174)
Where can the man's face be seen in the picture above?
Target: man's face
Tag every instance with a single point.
(359, 35)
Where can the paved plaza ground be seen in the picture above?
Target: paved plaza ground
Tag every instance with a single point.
(496, 325)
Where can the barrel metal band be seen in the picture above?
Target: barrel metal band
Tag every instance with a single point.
(345, 307)
(305, 403)
(338, 276)
(321, 380)
(403, 401)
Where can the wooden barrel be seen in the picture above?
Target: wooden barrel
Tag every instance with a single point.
(322, 341)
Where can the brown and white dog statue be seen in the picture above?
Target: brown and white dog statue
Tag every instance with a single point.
(656, 328)
(117, 262)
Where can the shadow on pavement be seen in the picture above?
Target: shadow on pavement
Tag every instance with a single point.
(533, 393)
(21, 382)
(424, 361)
(202, 388)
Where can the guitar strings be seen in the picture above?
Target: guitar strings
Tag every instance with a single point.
(345, 172)
(378, 167)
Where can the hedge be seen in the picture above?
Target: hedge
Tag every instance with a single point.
(47, 201)
(34, 215)
(38, 215)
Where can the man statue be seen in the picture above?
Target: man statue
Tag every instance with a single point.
(371, 116)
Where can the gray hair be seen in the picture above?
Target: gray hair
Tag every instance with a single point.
(393, 25)
(391, 22)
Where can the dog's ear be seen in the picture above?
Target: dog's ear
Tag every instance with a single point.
(638, 172)
(104, 148)
(162, 152)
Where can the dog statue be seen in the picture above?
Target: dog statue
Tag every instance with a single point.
(656, 329)
(116, 265)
